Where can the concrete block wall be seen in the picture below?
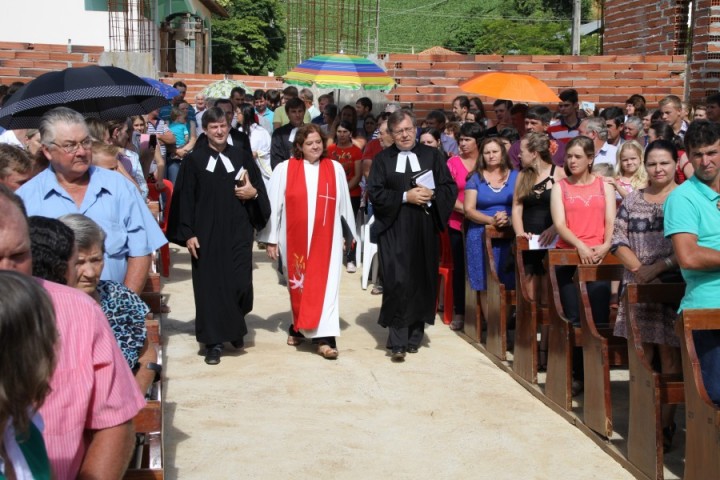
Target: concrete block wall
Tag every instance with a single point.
(641, 27)
(431, 81)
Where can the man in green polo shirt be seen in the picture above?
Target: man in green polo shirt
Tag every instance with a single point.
(692, 221)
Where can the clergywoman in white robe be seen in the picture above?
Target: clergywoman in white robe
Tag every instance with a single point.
(313, 264)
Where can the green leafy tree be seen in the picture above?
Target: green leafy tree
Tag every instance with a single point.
(249, 41)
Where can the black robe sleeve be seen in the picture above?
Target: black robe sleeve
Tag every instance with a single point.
(278, 149)
(258, 209)
(182, 209)
(386, 201)
(445, 192)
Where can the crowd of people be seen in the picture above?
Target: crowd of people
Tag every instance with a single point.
(298, 177)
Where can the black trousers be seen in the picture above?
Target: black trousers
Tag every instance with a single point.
(599, 294)
(399, 338)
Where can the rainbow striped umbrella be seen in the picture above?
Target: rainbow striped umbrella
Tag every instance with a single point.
(339, 71)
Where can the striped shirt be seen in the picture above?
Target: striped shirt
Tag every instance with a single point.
(92, 386)
(562, 132)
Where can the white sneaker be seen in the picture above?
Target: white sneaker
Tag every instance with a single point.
(351, 268)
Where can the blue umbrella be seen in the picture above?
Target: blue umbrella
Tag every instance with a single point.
(166, 90)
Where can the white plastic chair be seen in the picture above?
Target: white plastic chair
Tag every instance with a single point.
(369, 252)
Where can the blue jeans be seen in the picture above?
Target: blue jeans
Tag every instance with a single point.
(707, 347)
(172, 170)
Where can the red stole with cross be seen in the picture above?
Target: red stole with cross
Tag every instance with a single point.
(308, 267)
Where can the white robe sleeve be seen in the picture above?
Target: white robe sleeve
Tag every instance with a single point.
(344, 205)
(278, 180)
(260, 142)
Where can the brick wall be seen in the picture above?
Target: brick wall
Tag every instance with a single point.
(198, 81)
(642, 27)
(705, 55)
(430, 81)
(21, 62)
(426, 81)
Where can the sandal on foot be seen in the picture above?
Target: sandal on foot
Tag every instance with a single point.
(326, 351)
(376, 290)
(294, 341)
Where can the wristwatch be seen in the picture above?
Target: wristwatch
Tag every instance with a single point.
(155, 367)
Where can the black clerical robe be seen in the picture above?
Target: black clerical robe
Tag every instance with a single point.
(407, 235)
(205, 206)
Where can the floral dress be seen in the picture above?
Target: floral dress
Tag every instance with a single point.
(639, 226)
(126, 313)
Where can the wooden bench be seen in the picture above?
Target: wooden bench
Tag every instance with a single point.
(500, 300)
(151, 294)
(702, 427)
(601, 349)
(562, 336)
(529, 316)
(649, 389)
(147, 461)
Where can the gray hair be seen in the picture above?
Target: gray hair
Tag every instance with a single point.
(635, 122)
(56, 116)
(88, 234)
(398, 117)
(598, 126)
(307, 94)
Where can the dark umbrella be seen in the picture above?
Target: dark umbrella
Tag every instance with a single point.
(108, 93)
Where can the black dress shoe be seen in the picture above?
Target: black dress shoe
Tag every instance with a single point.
(238, 343)
(212, 354)
(412, 349)
(398, 356)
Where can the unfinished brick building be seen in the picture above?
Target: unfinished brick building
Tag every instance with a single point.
(669, 27)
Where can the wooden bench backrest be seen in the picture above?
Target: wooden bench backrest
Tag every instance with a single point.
(492, 233)
(697, 319)
(702, 416)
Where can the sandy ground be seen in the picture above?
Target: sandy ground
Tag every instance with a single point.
(273, 411)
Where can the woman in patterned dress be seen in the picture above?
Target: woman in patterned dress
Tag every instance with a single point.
(123, 308)
(638, 241)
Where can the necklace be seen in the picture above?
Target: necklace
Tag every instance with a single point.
(496, 189)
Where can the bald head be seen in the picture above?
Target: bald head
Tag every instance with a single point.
(14, 234)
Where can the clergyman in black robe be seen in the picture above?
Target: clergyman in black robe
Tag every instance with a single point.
(408, 219)
(206, 206)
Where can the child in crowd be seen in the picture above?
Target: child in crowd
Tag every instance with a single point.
(178, 126)
(109, 157)
(630, 173)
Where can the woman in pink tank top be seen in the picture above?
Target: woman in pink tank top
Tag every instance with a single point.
(583, 212)
(583, 208)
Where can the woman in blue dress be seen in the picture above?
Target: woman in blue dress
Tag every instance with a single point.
(488, 201)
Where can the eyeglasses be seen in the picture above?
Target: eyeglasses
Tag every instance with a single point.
(71, 148)
(403, 131)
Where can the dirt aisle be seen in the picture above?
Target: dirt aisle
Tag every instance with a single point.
(274, 411)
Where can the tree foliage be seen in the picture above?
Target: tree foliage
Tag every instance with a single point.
(541, 34)
(249, 41)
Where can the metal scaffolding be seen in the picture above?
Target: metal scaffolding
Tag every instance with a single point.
(315, 27)
(131, 28)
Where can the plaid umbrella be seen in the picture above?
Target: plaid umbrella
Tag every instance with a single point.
(166, 90)
(109, 93)
(222, 88)
(339, 71)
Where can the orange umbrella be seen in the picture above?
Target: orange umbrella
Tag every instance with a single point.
(510, 86)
